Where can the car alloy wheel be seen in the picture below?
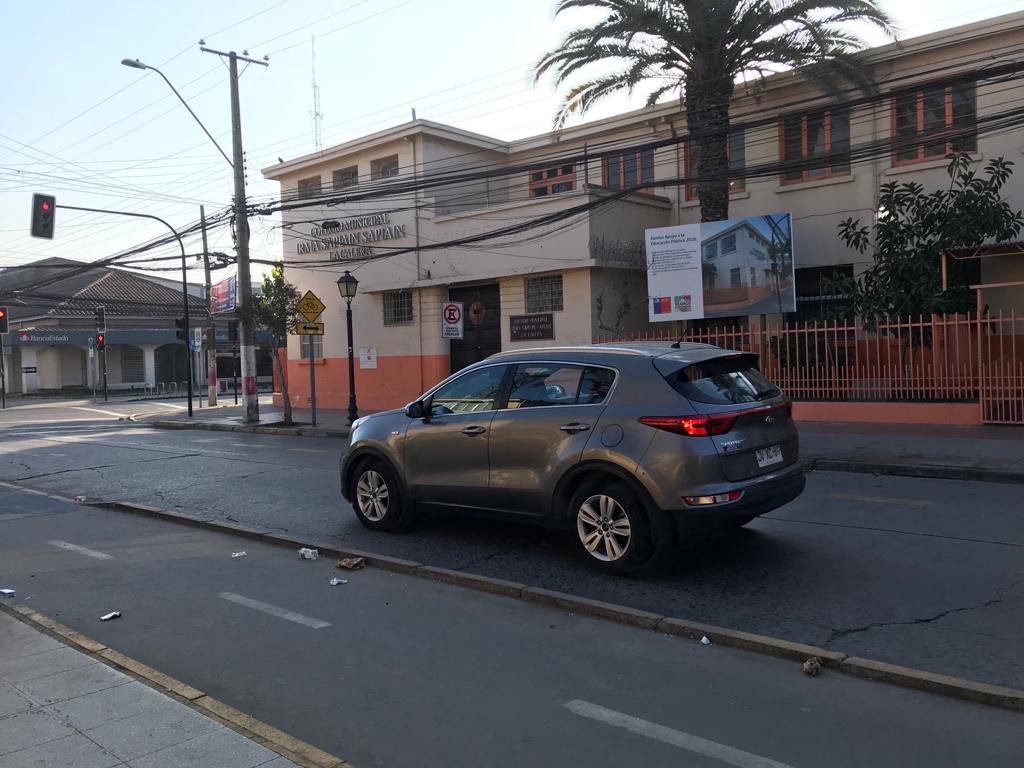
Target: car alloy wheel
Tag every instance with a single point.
(604, 528)
(372, 495)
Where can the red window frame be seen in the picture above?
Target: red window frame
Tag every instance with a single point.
(735, 185)
(922, 141)
(644, 165)
(830, 170)
(544, 180)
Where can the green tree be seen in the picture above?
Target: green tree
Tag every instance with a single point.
(911, 228)
(275, 311)
(698, 49)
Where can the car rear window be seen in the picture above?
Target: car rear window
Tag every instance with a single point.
(723, 381)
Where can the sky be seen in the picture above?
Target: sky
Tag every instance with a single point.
(77, 124)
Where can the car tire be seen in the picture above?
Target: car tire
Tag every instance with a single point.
(377, 497)
(614, 532)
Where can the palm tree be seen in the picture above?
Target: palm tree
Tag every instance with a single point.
(699, 49)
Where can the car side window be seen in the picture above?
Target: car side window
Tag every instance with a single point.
(540, 384)
(471, 392)
(596, 384)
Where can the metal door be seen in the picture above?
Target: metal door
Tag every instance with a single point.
(482, 326)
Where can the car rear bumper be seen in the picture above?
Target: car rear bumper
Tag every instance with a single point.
(758, 499)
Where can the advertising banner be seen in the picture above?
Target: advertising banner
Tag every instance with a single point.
(223, 296)
(721, 269)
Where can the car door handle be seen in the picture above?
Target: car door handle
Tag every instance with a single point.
(575, 427)
(473, 431)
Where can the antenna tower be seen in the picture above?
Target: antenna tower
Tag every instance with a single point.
(315, 113)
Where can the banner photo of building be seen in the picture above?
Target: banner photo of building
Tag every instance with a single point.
(721, 269)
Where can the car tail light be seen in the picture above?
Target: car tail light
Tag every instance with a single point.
(694, 426)
(718, 498)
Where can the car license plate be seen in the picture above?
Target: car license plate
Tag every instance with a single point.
(768, 456)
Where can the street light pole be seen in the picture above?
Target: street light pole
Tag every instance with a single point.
(250, 395)
(184, 284)
(347, 286)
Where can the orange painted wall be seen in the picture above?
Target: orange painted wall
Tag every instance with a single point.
(889, 413)
(396, 381)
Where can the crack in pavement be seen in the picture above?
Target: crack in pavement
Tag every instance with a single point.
(847, 632)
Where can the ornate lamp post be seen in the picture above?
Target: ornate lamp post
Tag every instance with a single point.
(347, 286)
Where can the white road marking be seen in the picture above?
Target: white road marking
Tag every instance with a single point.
(80, 550)
(99, 410)
(304, 450)
(171, 406)
(686, 741)
(273, 610)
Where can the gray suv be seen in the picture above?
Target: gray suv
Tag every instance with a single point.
(632, 448)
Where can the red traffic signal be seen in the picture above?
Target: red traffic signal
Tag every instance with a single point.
(3, 320)
(101, 341)
(43, 210)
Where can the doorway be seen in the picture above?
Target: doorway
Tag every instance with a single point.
(482, 325)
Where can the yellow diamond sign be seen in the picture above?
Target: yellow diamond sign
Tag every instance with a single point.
(310, 306)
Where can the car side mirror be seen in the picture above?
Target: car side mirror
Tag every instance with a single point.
(416, 410)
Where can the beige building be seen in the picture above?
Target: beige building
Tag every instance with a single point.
(569, 264)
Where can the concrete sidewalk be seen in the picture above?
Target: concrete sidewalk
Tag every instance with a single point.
(920, 450)
(988, 453)
(62, 707)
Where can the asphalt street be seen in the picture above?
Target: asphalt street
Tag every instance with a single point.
(925, 573)
(399, 671)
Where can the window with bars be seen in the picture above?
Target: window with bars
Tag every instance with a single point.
(735, 280)
(814, 301)
(544, 294)
(552, 181)
(345, 177)
(933, 122)
(309, 187)
(314, 342)
(384, 167)
(815, 145)
(625, 170)
(735, 152)
(397, 307)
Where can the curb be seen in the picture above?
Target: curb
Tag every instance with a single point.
(296, 750)
(212, 427)
(906, 677)
(931, 471)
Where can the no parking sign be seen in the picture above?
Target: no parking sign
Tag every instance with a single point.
(452, 319)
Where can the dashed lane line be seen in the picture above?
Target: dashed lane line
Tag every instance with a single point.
(273, 610)
(80, 549)
(687, 741)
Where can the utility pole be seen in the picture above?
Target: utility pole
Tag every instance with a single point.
(211, 329)
(250, 395)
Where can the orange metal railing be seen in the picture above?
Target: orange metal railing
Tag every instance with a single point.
(953, 358)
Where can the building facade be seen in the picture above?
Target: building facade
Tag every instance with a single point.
(542, 239)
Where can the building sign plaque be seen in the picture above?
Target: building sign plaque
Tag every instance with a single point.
(531, 327)
(351, 239)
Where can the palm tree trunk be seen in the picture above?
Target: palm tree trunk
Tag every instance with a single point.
(707, 120)
(284, 385)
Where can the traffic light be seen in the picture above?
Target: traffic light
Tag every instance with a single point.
(3, 320)
(101, 318)
(43, 209)
(179, 323)
(101, 341)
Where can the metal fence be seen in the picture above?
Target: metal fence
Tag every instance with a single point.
(954, 358)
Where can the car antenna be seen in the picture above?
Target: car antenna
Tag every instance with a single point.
(676, 344)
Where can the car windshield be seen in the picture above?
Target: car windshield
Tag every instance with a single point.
(723, 380)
